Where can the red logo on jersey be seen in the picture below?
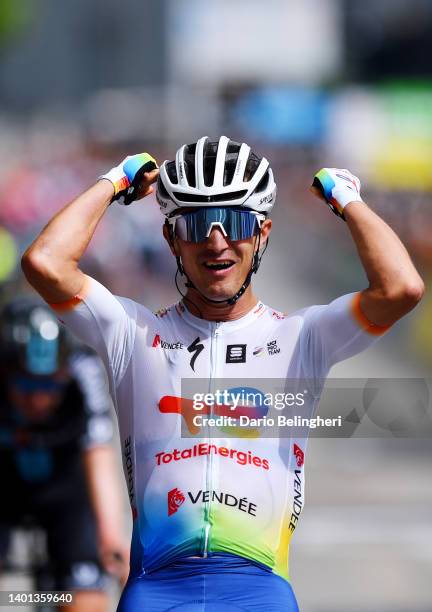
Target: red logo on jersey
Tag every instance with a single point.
(175, 500)
(156, 341)
(299, 455)
(170, 404)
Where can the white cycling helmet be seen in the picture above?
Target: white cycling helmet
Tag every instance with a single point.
(216, 173)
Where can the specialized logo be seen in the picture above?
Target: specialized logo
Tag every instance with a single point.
(181, 171)
(259, 309)
(158, 342)
(196, 347)
(273, 348)
(299, 455)
(267, 198)
(175, 500)
(236, 353)
(203, 449)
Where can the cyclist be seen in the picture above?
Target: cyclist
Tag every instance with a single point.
(213, 521)
(56, 459)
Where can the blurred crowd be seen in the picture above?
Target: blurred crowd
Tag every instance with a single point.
(50, 165)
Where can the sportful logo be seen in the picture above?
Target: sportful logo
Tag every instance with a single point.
(299, 455)
(236, 353)
(175, 500)
(195, 348)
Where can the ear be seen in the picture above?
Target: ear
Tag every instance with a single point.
(166, 230)
(266, 228)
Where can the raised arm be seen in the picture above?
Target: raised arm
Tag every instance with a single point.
(395, 286)
(51, 262)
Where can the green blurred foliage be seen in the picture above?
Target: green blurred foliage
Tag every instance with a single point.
(15, 16)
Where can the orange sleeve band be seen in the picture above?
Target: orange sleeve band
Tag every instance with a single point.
(74, 301)
(363, 321)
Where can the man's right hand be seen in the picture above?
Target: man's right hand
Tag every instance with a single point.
(132, 178)
(51, 261)
(337, 187)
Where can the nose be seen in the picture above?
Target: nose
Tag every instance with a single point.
(217, 240)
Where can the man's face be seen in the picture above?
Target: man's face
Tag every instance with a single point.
(35, 397)
(201, 260)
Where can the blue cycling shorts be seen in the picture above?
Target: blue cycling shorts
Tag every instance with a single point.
(218, 583)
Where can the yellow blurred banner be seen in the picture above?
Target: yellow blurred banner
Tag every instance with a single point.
(8, 255)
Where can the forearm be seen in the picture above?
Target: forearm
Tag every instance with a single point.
(51, 262)
(395, 286)
(102, 476)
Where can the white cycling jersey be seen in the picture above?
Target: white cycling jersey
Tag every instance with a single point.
(200, 495)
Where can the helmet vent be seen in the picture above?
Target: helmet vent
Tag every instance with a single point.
(172, 172)
(251, 166)
(262, 185)
(210, 153)
(232, 153)
(189, 157)
(161, 187)
(201, 199)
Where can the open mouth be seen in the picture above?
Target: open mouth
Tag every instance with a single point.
(218, 265)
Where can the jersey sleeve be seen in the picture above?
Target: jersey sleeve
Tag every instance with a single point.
(104, 322)
(88, 373)
(335, 332)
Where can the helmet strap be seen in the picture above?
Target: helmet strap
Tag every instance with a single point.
(256, 261)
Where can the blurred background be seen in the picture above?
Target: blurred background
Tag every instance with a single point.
(307, 84)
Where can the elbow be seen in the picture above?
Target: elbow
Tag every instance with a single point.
(36, 267)
(407, 296)
(31, 263)
(413, 293)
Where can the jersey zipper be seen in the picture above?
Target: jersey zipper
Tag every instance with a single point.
(214, 361)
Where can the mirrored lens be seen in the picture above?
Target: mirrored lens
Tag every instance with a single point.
(27, 384)
(196, 226)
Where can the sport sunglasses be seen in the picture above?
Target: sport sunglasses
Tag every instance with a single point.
(235, 224)
(29, 384)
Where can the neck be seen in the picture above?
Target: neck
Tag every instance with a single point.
(209, 311)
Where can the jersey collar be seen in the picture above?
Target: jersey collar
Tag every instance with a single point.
(229, 326)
